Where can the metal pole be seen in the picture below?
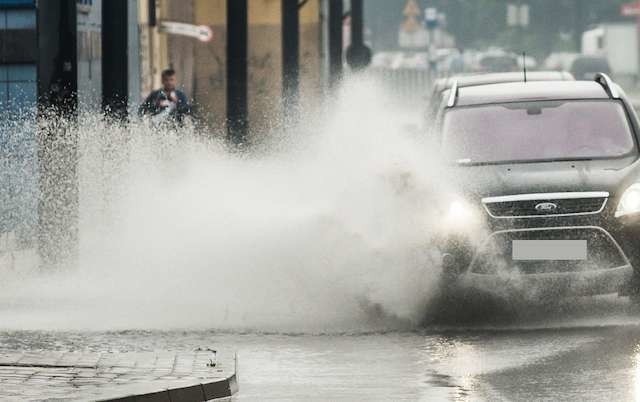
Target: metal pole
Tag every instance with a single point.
(237, 71)
(290, 55)
(336, 11)
(115, 59)
(578, 23)
(358, 55)
(638, 37)
(57, 141)
(357, 25)
(152, 14)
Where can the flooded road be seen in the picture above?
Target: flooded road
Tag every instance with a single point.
(584, 350)
(315, 270)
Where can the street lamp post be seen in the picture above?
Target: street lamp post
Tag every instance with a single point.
(358, 54)
(518, 18)
(578, 25)
(431, 22)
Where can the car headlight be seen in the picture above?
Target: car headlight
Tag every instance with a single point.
(459, 215)
(630, 201)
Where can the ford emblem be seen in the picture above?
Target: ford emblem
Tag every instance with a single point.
(546, 207)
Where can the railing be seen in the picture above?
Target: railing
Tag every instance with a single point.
(404, 85)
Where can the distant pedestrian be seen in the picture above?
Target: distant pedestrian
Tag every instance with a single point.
(167, 103)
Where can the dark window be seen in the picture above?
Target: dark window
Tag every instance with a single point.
(18, 90)
(17, 3)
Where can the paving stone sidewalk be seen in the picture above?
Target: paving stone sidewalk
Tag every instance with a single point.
(162, 376)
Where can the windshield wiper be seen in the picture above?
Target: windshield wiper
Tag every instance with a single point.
(469, 162)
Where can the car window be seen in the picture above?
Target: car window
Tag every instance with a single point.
(546, 130)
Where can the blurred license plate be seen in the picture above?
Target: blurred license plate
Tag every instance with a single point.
(568, 250)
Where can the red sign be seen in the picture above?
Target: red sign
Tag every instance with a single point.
(630, 9)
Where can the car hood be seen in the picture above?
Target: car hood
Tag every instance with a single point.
(613, 176)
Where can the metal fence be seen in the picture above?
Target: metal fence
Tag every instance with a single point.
(404, 85)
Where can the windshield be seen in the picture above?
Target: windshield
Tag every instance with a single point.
(542, 130)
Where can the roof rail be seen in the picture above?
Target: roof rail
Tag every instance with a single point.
(609, 87)
(453, 96)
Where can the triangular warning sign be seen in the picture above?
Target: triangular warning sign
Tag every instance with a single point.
(411, 9)
(411, 12)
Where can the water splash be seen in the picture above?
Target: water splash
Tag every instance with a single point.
(324, 227)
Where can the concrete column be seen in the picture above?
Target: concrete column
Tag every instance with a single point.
(57, 141)
(336, 11)
(290, 56)
(115, 58)
(237, 71)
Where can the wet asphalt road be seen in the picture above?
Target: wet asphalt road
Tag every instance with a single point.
(581, 349)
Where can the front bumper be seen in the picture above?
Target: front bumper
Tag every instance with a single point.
(613, 265)
(542, 286)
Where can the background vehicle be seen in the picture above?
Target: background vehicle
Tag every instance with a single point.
(560, 61)
(585, 67)
(618, 44)
(498, 63)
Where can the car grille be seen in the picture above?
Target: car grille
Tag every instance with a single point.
(536, 208)
(496, 255)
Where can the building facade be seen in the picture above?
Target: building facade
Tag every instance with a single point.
(37, 62)
(18, 96)
(18, 55)
(40, 62)
(201, 67)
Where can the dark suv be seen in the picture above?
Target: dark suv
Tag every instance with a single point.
(549, 174)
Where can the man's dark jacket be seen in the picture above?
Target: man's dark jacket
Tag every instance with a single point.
(152, 106)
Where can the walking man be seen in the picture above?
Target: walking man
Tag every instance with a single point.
(167, 103)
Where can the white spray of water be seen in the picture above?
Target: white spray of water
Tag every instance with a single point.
(315, 233)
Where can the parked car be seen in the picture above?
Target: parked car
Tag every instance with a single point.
(497, 61)
(550, 188)
(560, 61)
(585, 67)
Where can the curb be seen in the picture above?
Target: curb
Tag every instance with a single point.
(217, 389)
